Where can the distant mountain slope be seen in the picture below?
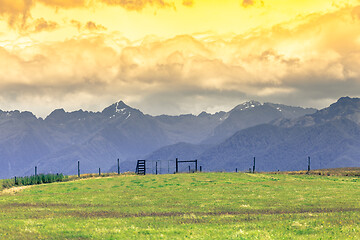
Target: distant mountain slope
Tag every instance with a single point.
(190, 128)
(330, 136)
(179, 150)
(224, 125)
(97, 139)
(22, 141)
(330, 144)
(253, 113)
(120, 132)
(345, 107)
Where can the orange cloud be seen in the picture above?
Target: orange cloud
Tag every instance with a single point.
(91, 26)
(138, 5)
(64, 3)
(248, 3)
(188, 3)
(42, 25)
(16, 10)
(76, 24)
(356, 12)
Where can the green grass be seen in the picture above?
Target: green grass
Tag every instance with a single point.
(199, 206)
(352, 172)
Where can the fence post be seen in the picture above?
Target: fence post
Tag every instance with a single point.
(235, 169)
(200, 168)
(189, 169)
(156, 171)
(78, 168)
(196, 165)
(308, 164)
(15, 181)
(99, 172)
(254, 166)
(177, 167)
(35, 170)
(118, 162)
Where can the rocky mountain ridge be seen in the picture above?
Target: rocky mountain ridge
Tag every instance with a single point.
(97, 139)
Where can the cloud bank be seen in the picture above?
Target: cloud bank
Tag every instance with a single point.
(139, 4)
(310, 64)
(17, 12)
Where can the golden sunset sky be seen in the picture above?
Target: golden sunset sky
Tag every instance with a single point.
(176, 56)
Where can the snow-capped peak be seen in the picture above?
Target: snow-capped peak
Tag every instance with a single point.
(247, 105)
(121, 107)
(116, 109)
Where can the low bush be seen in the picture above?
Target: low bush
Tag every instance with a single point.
(49, 178)
(33, 180)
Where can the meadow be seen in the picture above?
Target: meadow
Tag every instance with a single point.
(181, 206)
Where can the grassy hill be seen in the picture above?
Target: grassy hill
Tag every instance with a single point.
(199, 206)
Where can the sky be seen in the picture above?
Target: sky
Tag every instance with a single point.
(176, 56)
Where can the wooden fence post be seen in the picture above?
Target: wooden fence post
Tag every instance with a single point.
(118, 165)
(254, 166)
(78, 168)
(177, 167)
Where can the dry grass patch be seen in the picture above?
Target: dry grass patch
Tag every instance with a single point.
(13, 190)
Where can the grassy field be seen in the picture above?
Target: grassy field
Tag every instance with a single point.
(198, 206)
(352, 172)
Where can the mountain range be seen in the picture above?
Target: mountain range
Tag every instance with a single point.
(281, 137)
(331, 137)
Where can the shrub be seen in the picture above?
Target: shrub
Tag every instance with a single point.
(33, 180)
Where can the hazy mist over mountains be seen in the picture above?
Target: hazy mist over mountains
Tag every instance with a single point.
(281, 137)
